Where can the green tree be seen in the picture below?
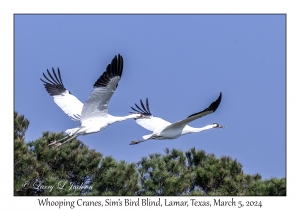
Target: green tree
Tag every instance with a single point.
(116, 178)
(69, 168)
(197, 173)
(165, 175)
(74, 169)
(25, 163)
(76, 165)
(268, 187)
(217, 176)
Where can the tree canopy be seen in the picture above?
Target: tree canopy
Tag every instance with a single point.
(74, 169)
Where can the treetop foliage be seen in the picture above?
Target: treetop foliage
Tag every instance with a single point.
(74, 169)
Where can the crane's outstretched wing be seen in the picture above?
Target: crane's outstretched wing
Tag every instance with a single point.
(212, 107)
(150, 122)
(62, 97)
(96, 106)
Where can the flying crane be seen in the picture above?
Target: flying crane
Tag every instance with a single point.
(93, 115)
(163, 129)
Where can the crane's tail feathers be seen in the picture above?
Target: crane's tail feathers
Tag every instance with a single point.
(72, 131)
(146, 137)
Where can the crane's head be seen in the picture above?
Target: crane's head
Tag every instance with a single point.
(217, 125)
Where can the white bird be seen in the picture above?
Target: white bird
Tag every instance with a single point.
(93, 115)
(163, 129)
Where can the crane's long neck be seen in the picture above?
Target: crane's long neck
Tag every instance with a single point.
(189, 129)
(114, 119)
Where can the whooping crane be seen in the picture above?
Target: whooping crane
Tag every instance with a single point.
(163, 129)
(93, 115)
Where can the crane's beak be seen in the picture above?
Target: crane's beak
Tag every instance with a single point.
(220, 126)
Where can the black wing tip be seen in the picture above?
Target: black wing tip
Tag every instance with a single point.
(54, 86)
(51, 76)
(115, 68)
(216, 103)
(212, 107)
(143, 110)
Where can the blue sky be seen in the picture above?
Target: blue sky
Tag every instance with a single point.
(181, 63)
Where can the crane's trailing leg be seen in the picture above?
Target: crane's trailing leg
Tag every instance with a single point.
(72, 133)
(59, 144)
(55, 142)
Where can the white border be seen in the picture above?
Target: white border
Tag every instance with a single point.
(8, 8)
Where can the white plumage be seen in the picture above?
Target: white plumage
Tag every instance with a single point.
(69, 104)
(93, 115)
(162, 129)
